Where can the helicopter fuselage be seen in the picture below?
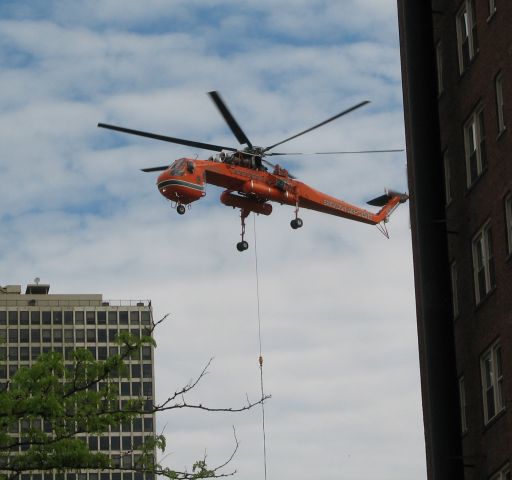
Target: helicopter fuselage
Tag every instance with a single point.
(251, 189)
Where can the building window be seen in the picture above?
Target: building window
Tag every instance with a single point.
(498, 83)
(503, 474)
(24, 354)
(148, 424)
(24, 335)
(13, 318)
(80, 335)
(492, 382)
(47, 335)
(35, 335)
(447, 179)
(508, 218)
(57, 335)
(483, 263)
(439, 64)
(68, 335)
(463, 406)
(492, 8)
(455, 290)
(146, 353)
(466, 34)
(474, 142)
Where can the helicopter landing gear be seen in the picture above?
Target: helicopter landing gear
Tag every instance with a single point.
(180, 209)
(296, 222)
(243, 245)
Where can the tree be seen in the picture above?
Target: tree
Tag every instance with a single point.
(48, 409)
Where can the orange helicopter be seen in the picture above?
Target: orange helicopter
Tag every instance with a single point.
(248, 183)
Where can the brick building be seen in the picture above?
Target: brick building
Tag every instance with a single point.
(457, 82)
(37, 321)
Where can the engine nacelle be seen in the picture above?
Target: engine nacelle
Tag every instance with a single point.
(235, 201)
(268, 192)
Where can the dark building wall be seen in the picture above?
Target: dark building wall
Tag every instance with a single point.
(430, 253)
(486, 446)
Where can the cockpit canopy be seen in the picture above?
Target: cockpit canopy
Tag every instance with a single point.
(181, 166)
(178, 167)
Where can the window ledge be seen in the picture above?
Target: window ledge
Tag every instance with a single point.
(468, 66)
(486, 298)
(469, 188)
(494, 419)
(500, 134)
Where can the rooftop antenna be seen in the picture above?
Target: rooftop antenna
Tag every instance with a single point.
(37, 280)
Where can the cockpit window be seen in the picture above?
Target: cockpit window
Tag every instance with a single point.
(178, 167)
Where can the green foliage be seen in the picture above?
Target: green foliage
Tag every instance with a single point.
(52, 402)
(50, 407)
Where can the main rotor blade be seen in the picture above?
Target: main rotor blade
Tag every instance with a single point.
(335, 153)
(155, 169)
(230, 120)
(351, 109)
(180, 141)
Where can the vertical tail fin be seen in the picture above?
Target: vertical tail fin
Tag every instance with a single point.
(389, 201)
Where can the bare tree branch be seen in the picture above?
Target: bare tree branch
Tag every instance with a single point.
(237, 444)
(184, 404)
(189, 386)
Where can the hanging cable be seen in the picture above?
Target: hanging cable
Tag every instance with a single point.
(260, 360)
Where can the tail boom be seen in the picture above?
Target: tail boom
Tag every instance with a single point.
(333, 206)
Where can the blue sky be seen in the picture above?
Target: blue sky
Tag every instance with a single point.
(339, 333)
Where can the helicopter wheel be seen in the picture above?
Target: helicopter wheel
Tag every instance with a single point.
(296, 223)
(241, 246)
(180, 209)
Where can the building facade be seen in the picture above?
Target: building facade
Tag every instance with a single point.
(457, 83)
(37, 322)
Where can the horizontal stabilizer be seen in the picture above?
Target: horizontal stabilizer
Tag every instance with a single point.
(379, 201)
(384, 199)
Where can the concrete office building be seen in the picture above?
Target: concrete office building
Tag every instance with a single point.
(457, 83)
(37, 322)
